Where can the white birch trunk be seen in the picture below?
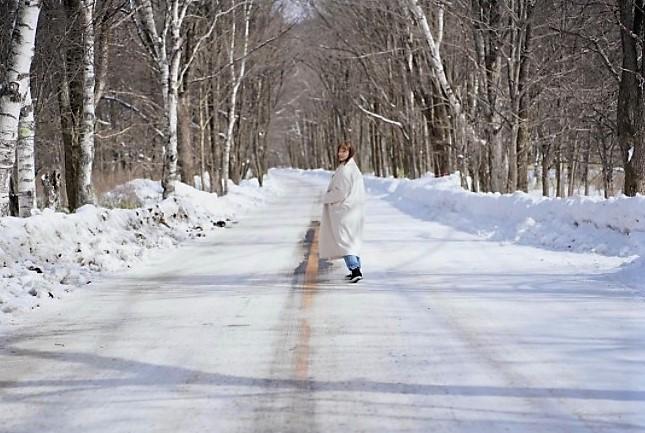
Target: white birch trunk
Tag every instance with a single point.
(435, 57)
(25, 159)
(228, 141)
(167, 54)
(86, 148)
(168, 65)
(237, 81)
(170, 180)
(438, 70)
(164, 72)
(14, 89)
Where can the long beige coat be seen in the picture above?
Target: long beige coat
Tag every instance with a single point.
(341, 229)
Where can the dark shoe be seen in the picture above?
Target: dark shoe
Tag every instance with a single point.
(356, 275)
(348, 276)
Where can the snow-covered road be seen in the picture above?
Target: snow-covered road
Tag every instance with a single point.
(447, 333)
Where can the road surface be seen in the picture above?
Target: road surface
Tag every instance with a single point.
(247, 331)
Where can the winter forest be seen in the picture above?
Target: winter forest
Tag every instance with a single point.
(303, 216)
(512, 94)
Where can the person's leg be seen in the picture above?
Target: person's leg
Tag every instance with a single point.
(348, 263)
(352, 262)
(354, 265)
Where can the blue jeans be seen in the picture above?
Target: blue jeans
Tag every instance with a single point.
(352, 262)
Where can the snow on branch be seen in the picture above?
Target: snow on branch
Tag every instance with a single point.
(383, 119)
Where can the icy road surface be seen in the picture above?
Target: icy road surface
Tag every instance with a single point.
(249, 332)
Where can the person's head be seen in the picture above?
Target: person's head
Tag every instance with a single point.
(344, 152)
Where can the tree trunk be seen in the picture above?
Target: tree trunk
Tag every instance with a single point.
(523, 149)
(76, 102)
(185, 150)
(558, 170)
(169, 178)
(439, 72)
(545, 169)
(13, 91)
(167, 56)
(14, 206)
(102, 63)
(216, 153)
(606, 158)
(25, 159)
(519, 65)
(259, 132)
(631, 134)
(585, 161)
(85, 191)
(237, 81)
(170, 66)
(203, 123)
(572, 166)
(523, 133)
(69, 135)
(51, 188)
(486, 29)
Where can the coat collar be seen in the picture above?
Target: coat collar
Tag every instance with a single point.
(349, 162)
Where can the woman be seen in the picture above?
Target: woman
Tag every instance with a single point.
(341, 231)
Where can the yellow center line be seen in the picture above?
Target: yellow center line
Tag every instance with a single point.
(308, 292)
(311, 272)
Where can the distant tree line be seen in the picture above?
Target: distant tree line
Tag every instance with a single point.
(504, 91)
(511, 94)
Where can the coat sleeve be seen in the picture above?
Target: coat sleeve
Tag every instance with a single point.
(338, 191)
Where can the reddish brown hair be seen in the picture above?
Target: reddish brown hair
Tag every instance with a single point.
(346, 145)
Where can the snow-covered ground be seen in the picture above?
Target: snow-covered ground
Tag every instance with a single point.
(478, 313)
(613, 227)
(48, 255)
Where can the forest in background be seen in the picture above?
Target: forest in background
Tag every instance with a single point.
(509, 93)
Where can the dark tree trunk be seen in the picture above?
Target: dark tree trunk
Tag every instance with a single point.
(630, 96)
(185, 144)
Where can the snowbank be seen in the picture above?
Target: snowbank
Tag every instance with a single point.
(44, 256)
(614, 227)
(611, 227)
(48, 254)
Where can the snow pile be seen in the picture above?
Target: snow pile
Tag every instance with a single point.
(49, 254)
(611, 227)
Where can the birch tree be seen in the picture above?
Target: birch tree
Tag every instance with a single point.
(237, 75)
(13, 90)
(165, 47)
(85, 190)
(457, 109)
(415, 85)
(77, 102)
(25, 158)
(436, 61)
